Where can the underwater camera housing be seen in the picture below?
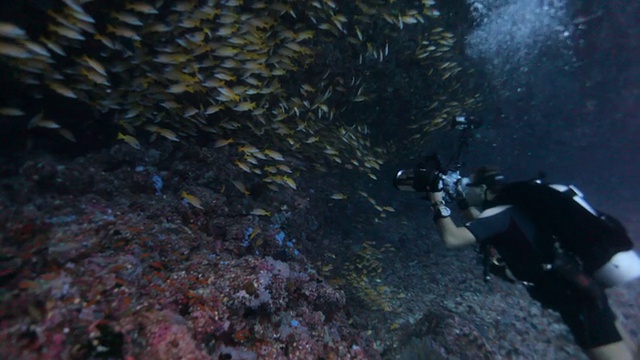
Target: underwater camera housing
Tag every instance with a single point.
(430, 170)
(466, 122)
(425, 172)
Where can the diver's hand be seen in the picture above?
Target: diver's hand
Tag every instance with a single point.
(460, 200)
(427, 175)
(436, 197)
(427, 180)
(434, 183)
(459, 190)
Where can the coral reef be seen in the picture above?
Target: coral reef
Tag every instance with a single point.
(125, 268)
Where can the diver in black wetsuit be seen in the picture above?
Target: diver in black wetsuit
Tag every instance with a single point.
(506, 234)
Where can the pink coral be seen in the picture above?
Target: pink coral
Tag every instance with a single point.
(169, 338)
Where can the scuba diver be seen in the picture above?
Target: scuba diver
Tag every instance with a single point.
(544, 236)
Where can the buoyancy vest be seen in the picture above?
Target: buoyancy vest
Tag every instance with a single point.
(568, 221)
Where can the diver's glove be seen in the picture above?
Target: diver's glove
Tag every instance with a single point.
(435, 183)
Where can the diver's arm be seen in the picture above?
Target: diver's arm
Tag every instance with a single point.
(453, 236)
(471, 213)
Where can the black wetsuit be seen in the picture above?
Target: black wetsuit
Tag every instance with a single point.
(524, 249)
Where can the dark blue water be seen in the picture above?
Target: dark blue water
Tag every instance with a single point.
(568, 75)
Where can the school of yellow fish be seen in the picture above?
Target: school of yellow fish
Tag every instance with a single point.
(364, 275)
(245, 71)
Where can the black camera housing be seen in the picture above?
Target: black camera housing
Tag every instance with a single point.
(427, 171)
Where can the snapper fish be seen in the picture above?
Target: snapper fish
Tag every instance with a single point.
(39, 121)
(67, 134)
(240, 186)
(222, 142)
(284, 168)
(62, 90)
(14, 51)
(248, 148)
(274, 154)
(192, 199)
(141, 7)
(260, 212)
(36, 48)
(11, 31)
(9, 111)
(242, 165)
(290, 182)
(94, 64)
(132, 141)
(169, 134)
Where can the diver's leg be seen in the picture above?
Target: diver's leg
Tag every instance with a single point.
(614, 351)
(604, 330)
(593, 323)
(623, 267)
(628, 340)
